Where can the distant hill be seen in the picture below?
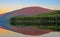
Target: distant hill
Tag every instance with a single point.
(28, 11)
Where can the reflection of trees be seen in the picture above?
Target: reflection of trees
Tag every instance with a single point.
(34, 21)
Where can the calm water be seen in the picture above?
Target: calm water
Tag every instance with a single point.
(7, 33)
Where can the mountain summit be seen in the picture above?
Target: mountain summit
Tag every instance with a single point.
(31, 11)
(28, 11)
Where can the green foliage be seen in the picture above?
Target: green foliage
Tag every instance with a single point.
(45, 20)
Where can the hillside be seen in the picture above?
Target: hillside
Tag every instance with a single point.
(28, 11)
(24, 13)
(50, 14)
(49, 20)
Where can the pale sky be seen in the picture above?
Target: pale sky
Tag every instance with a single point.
(10, 5)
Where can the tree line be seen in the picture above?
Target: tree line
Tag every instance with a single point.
(35, 21)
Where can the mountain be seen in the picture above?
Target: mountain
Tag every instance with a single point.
(28, 11)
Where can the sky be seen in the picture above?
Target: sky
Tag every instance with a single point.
(10, 5)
